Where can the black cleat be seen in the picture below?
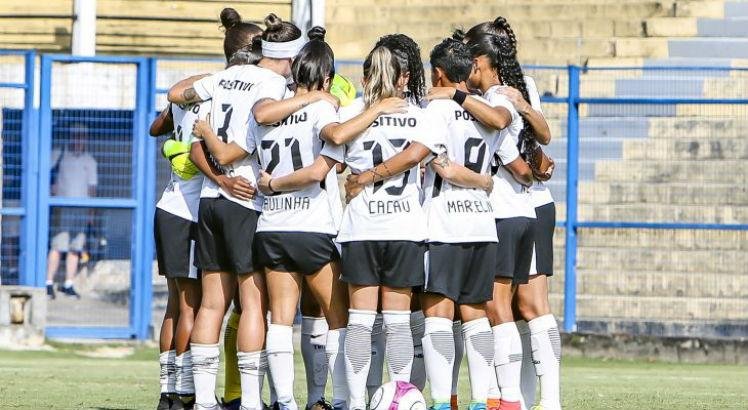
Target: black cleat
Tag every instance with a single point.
(321, 404)
(183, 403)
(233, 404)
(51, 291)
(164, 402)
(70, 291)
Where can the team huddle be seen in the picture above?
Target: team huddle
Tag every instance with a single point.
(442, 251)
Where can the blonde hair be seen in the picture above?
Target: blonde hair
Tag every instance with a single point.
(381, 74)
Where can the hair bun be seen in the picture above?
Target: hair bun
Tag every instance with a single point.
(273, 22)
(316, 33)
(500, 22)
(458, 35)
(230, 18)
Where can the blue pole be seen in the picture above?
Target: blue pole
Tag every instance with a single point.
(30, 158)
(572, 179)
(43, 185)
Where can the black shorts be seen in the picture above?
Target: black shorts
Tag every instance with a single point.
(225, 236)
(514, 252)
(397, 264)
(544, 227)
(463, 272)
(175, 245)
(298, 252)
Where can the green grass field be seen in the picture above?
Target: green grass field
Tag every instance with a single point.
(67, 378)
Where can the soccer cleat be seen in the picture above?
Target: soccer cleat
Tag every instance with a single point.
(477, 406)
(321, 404)
(493, 404)
(51, 291)
(183, 403)
(70, 291)
(453, 402)
(233, 404)
(213, 407)
(510, 405)
(164, 402)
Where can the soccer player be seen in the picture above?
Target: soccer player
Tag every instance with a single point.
(538, 328)
(175, 226)
(227, 223)
(296, 229)
(462, 237)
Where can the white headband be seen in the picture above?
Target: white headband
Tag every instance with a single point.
(287, 49)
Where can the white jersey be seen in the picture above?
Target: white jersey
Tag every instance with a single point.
(457, 214)
(388, 210)
(290, 145)
(182, 197)
(539, 193)
(509, 198)
(234, 91)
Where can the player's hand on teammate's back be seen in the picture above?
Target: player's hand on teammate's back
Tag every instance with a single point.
(392, 105)
(515, 97)
(264, 183)
(239, 187)
(325, 96)
(201, 127)
(352, 187)
(441, 93)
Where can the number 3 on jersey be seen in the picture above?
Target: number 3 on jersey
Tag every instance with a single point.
(222, 131)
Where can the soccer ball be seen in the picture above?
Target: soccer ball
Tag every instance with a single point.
(397, 396)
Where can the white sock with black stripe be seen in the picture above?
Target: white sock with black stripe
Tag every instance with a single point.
(528, 379)
(417, 329)
(357, 357)
(204, 371)
(399, 344)
(185, 382)
(313, 352)
(252, 368)
(479, 345)
(546, 353)
(374, 379)
(508, 360)
(439, 356)
(168, 371)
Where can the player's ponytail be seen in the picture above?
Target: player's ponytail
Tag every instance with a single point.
(240, 43)
(499, 27)
(409, 55)
(315, 62)
(381, 74)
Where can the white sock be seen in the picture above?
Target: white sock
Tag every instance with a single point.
(252, 368)
(357, 357)
(168, 371)
(50, 282)
(336, 364)
(374, 379)
(494, 394)
(399, 344)
(439, 356)
(313, 341)
(279, 350)
(479, 345)
(508, 360)
(528, 378)
(204, 370)
(185, 382)
(68, 284)
(417, 329)
(459, 352)
(546, 353)
(268, 373)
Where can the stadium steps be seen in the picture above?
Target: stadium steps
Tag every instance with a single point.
(686, 148)
(603, 258)
(664, 212)
(696, 172)
(678, 193)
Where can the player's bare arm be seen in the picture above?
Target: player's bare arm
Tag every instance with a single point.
(312, 174)
(183, 92)
(536, 119)
(460, 175)
(342, 133)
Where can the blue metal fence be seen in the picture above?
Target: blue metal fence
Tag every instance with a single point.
(567, 97)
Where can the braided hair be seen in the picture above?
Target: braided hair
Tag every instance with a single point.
(499, 27)
(503, 56)
(402, 44)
